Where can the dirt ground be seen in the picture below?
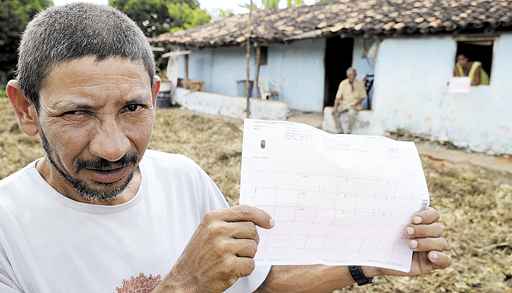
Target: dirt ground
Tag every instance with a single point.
(475, 202)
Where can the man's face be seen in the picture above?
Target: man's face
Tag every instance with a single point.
(95, 122)
(351, 75)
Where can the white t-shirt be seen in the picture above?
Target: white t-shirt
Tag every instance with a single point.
(50, 243)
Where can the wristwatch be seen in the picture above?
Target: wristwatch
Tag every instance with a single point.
(358, 275)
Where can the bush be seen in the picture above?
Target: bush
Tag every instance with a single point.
(14, 16)
(155, 17)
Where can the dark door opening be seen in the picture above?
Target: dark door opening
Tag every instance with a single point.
(338, 58)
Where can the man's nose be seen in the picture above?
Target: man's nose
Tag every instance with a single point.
(110, 142)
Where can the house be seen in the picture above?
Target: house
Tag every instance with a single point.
(407, 47)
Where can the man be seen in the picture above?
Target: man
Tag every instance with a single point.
(351, 94)
(99, 213)
(473, 70)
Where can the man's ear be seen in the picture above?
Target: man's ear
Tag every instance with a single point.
(155, 89)
(26, 113)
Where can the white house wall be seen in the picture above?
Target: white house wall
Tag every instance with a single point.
(295, 71)
(230, 106)
(219, 69)
(360, 62)
(411, 94)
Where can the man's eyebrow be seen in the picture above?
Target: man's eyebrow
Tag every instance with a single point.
(72, 105)
(138, 100)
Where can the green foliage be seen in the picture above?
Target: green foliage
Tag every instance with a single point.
(189, 16)
(294, 3)
(274, 4)
(270, 4)
(225, 13)
(14, 16)
(155, 17)
(325, 1)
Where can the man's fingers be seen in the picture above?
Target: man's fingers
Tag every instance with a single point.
(427, 216)
(425, 231)
(242, 247)
(243, 266)
(429, 244)
(244, 230)
(247, 214)
(439, 260)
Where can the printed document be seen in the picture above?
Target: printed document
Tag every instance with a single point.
(335, 199)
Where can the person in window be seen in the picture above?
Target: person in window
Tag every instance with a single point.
(473, 70)
(351, 94)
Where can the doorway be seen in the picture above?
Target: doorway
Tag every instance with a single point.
(338, 58)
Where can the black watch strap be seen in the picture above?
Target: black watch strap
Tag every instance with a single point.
(358, 275)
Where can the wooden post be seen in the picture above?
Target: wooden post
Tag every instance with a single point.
(258, 67)
(248, 64)
(186, 68)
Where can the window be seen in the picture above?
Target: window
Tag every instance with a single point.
(474, 60)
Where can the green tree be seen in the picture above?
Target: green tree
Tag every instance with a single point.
(270, 4)
(187, 16)
(155, 17)
(14, 16)
(223, 13)
(294, 3)
(274, 4)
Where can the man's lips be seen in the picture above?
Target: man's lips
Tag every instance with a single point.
(109, 176)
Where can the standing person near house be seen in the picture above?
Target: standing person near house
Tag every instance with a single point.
(473, 70)
(351, 94)
(100, 213)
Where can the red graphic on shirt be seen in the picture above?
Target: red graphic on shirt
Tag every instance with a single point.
(139, 284)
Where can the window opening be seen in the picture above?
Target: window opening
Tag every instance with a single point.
(474, 60)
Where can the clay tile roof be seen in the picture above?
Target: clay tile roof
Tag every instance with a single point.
(351, 18)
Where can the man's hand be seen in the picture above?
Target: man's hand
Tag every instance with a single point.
(220, 252)
(358, 104)
(425, 237)
(337, 103)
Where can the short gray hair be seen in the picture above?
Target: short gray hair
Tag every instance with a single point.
(73, 31)
(351, 69)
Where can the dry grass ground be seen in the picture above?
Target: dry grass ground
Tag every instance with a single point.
(476, 204)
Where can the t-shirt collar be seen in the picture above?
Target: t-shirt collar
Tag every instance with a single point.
(43, 185)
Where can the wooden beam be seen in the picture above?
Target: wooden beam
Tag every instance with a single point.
(187, 58)
(258, 67)
(248, 63)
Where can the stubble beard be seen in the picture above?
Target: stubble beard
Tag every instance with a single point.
(87, 193)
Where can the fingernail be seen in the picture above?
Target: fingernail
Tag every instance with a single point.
(272, 223)
(433, 256)
(410, 231)
(413, 244)
(417, 220)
